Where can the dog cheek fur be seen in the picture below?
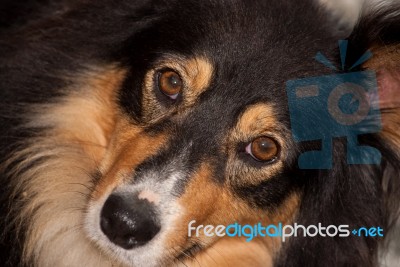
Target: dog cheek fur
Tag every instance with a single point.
(52, 175)
(55, 129)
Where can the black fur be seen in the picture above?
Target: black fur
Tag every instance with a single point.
(255, 46)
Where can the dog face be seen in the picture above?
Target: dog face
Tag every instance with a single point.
(201, 133)
(167, 113)
(197, 137)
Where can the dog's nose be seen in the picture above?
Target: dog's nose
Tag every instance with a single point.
(128, 221)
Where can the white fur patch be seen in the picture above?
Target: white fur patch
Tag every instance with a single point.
(154, 252)
(346, 11)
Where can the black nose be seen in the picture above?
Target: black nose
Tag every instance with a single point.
(128, 221)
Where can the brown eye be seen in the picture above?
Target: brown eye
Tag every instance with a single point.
(263, 149)
(170, 83)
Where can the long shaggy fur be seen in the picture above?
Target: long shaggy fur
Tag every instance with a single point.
(55, 57)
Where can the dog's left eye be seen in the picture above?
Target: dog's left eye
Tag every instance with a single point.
(263, 149)
(170, 83)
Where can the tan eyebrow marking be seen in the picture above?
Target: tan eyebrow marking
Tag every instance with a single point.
(200, 72)
(254, 121)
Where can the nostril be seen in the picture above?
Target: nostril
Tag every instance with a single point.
(128, 221)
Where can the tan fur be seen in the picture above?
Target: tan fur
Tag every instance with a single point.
(257, 120)
(239, 253)
(57, 189)
(196, 74)
(384, 56)
(87, 133)
(259, 252)
(199, 72)
(208, 202)
(386, 62)
(129, 147)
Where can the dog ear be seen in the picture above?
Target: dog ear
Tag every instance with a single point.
(386, 63)
(357, 195)
(379, 30)
(382, 37)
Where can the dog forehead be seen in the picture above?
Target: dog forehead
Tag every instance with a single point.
(253, 55)
(236, 27)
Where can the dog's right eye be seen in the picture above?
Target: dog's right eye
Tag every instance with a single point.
(170, 83)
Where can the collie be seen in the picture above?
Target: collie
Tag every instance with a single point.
(134, 132)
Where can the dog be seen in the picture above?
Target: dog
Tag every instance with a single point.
(126, 123)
